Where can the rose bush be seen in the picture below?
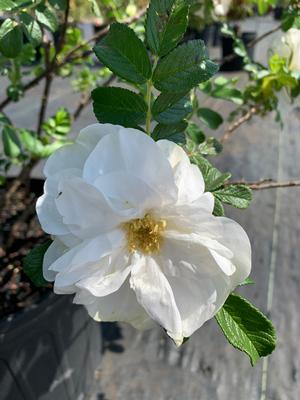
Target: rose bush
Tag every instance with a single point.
(134, 234)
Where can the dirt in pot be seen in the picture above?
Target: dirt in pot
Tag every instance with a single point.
(20, 232)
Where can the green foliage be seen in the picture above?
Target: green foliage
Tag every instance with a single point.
(11, 142)
(119, 106)
(213, 178)
(166, 22)
(223, 88)
(195, 134)
(211, 118)
(246, 328)
(124, 54)
(59, 125)
(11, 38)
(32, 264)
(238, 196)
(35, 147)
(170, 108)
(47, 18)
(184, 68)
(31, 28)
(173, 132)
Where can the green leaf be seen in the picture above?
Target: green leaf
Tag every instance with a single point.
(32, 29)
(11, 142)
(218, 208)
(119, 106)
(184, 68)
(229, 94)
(174, 132)
(210, 147)
(195, 134)
(59, 4)
(35, 147)
(212, 176)
(238, 196)
(211, 118)
(170, 108)
(7, 5)
(47, 18)
(124, 54)
(58, 125)
(246, 328)
(95, 8)
(247, 281)
(33, 264)
(166, 22)
(11, 38)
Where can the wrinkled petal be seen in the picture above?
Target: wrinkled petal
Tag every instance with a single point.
(86, 259)
(155, 295)
(90, 136)
(127, 193)
(188, 177)
(110, 279)
(135, 153)
(54, 251)
(85, 210)
(236, 240)
(68, 156)
(120, 306)
(49, 217)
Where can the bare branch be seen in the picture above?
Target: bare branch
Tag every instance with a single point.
(233, 127)
(265, 184)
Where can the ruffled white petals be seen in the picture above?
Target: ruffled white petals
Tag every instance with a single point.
(188, 177)
(135, 154)
(90, 136)
(175, 267)
(54, 251)
(68, 156)
(87, 259)
(49, 217)
(84, 209)
(108, 279)
(120, 306)
(128, 194)
(155, 295)
(236, 240)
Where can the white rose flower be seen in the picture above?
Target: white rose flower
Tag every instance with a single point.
(134, 234)
(292, 39)
(221, 7)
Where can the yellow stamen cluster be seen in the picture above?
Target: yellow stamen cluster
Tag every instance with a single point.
(144, 234)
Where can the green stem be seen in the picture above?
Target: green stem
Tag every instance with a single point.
(148, 101)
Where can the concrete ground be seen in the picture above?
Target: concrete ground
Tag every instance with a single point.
(147, 366)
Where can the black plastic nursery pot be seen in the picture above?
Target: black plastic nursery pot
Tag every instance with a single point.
(235, 64)
(49, 352)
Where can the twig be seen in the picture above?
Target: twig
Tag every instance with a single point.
(251, 44)
(244, 118)
(265, 184)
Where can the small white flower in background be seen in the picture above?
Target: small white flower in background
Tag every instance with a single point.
(292, 39)
(134, 234)
(221, 7)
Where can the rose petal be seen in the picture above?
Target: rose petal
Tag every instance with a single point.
(155, 295)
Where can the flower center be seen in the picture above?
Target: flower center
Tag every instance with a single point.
(144, 234)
